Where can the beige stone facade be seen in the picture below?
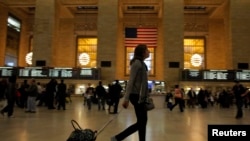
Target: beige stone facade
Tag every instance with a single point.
(55, 25)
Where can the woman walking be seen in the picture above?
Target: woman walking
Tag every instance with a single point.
(136, 92)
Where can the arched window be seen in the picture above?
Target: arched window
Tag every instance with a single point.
(86, 52)
(140, 35)
(12, 41)
(149, 61)
(194, 57)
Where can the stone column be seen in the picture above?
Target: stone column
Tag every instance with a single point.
(3, 32)
(44, 31)
(25, 38)
(240, 31)
(107, 36)
(173, 30)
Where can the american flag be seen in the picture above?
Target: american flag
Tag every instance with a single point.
(135, 36)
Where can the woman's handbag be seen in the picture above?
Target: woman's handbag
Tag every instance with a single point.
(149, 104)
(80, 134)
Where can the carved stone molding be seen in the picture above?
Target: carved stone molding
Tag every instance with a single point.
(85, 27)
(196, 27)
(136, 24)
(140, 1)
(77, 2)
(18, 2)
(204, 2)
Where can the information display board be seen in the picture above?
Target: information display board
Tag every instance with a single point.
(213, 75)
(7, 71)
(220, 75)
(38, 73)
(32, 72)
(54, 73)
(48, 73)
(243, 75)
(192, 75)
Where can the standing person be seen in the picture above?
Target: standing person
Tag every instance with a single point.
(178, 96)
(50, 93)
(115, 95)
(88, 95)
(10, 93)
(202, 98)
(101, 93)
(3, 86)
(32, 95)
(41, 94)
(108, 98)
(136, 91)
(61, 95)
(191, 98)
(239, 92)
(39, 91)
(24, 94)
(68, 95)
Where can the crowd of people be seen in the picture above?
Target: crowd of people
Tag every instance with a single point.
(101, 96)
(54, 95)
(238, 95)
(31, 94)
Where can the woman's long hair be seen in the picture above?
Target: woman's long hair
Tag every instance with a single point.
(139, 53)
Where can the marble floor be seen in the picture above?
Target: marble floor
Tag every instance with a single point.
(163, 125)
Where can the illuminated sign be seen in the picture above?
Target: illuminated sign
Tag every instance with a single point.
(86, 72)
(31, 72)
(47, 73)
(6, 71)
(54, 72)
(243, 75)
(192, 75)
(28, 58)
(218, 75)
(196, 60)
(24, 72)
(37, 73)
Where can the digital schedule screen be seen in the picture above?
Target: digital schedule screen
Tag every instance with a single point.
(37, 73)
(86, 72)
(7, 71)
(224, 75)
(54, 72)
(31, 72)
(24, 72)
(195, 75)
(63, 73)
(243, 75)
(49, 72)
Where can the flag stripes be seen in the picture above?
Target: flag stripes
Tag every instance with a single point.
(137, 36)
